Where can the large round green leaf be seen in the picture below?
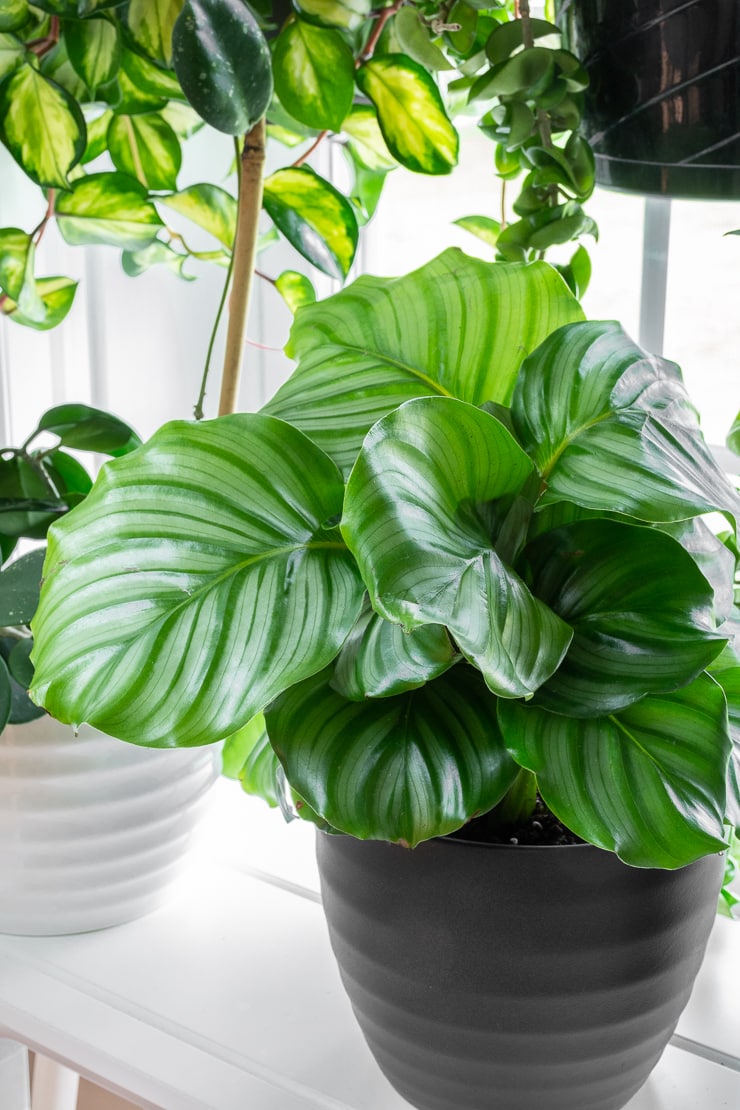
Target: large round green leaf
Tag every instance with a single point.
(200, 578)
(411, 114)
(402, 769)
(42, 126)
(314, 71)
(314, 217)
(647, 783)
(457, 327)
(611, 427)
(223, 63)
(641, 611)
(418, 522)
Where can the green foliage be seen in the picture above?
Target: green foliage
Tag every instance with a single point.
(95, 96)
(512, 584)
(39, 483)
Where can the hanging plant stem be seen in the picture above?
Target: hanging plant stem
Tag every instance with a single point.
(244, 254)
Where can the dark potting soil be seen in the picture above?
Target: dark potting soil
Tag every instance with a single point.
(541, 827)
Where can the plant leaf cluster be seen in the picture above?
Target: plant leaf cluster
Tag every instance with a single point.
(463, 545)
(40, 481)
(97, 98)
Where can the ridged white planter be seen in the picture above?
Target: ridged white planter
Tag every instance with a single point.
(92, 830)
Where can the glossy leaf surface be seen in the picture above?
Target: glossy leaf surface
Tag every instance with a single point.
(57, 295)
(346, 14)
(636, 631)
(19, 589)
(647, 783)
(411, 115)
(314, 217)
(208, 206)
(249, 757)
(108, 208)
(417, 522)
(612, 428)
(145, 147)
(401, 769)
(89, 429)
(94, 48)
(177, 627)
(223, 63)
(456, 327)
(314, 72)
(151, 23)
(42, 127)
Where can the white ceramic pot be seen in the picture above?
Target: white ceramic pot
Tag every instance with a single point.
(92, 830)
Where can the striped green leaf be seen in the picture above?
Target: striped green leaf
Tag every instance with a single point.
(379, 659)
(647, 783)
(659, 634)
(108, 208)
(402, 769)
(208, 206)
(177, 627)
(42, 127)
(145, 147)
(411, 114)
(314, 217)
(314, 73)
(456, 327)
(151, 23)
(418, 522)
(94, 49)
(223, 63)
(612, 428)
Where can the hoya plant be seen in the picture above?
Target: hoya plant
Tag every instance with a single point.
(40, 481)
(460, 559)
(97, 98)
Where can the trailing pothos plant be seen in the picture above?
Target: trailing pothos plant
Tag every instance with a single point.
(97, 96)
(40, 481)
(459, 559)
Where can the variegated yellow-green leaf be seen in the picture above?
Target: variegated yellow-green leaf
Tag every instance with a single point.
(208, 206)
(156, 254)
(16, 272)
(295, 289)
(411, 114)
(416, 40)
(108, 208)
(13, 14)
(56, 293)
(151, 23)
(94, 49)
(366, 138)
(143, 86)
(483, 227)
(223, 63)
(314, 217)
(314, 73)
(42, 127)
(12, 52)
(346, 14)
(97, 136)
(145, 147)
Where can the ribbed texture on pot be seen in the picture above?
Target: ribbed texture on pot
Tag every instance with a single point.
(663, 108)
(498, 978)
(92, 830)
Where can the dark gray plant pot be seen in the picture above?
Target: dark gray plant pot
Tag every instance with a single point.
(663, 110)
(488, 977)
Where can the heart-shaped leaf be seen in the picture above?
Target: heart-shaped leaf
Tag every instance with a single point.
(177, 627)
(109, 208)
(402, 769)
(151, 23)
(412, 117)
(647, 783)
(42, 127)
(379, 659)
(416, 519)
(314, 72)
(145, 147)
(457, 327)
(611, 428)
(223, 63)
(314, 217)
(660, 635)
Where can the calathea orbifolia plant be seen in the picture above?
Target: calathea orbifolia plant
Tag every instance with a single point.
(40, 481)
(458, 559)
(97, 97)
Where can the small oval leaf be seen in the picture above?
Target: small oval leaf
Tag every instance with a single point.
(314, 217)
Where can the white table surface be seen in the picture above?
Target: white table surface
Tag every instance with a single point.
(228, 998)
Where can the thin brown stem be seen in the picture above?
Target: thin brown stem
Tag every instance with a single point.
(307, 153)
(245, 253)
(38, 232)
(42, 46)
(380, 22)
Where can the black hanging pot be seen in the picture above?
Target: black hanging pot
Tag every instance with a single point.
(492, 977)
(663, 109)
